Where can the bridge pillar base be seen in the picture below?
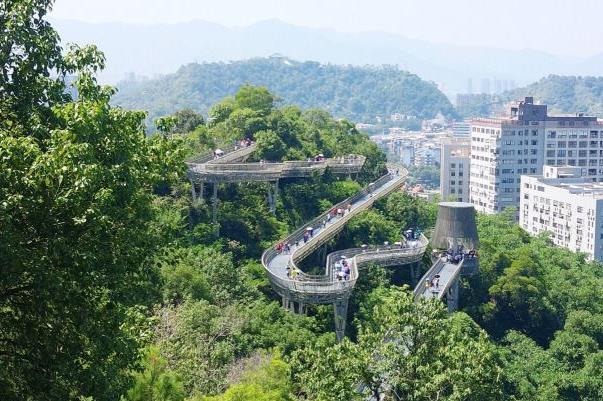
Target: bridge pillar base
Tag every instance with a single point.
(341, 312)
(452, 298)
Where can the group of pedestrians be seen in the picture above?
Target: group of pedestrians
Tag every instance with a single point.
(283, 247)
(433, 284)
(342, 269)
(460, 253)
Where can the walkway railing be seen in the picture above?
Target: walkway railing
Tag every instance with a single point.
(226, 168)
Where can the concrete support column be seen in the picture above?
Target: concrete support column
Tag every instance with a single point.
(286, 303)
(201, 184)
(452, 296)
(301, 309)
(322, 254)
(214, 208)
(415, 271)
(272, 196)
(341, 312)
(193, 190)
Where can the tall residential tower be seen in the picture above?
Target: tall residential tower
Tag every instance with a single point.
(502, 149)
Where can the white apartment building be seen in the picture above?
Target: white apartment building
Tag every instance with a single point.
(502, 149)
(568, 205)
(454, 169)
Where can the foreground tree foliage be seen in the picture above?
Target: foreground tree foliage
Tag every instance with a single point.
(405, 350)
(75, 206)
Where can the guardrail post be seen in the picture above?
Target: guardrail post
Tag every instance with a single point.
(341, 312)
(452, 297)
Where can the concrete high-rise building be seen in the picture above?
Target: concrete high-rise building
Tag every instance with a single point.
(497, 86)
(469, 86)
(502, 149)
(455, 169)
(566, 204)
(485, 86)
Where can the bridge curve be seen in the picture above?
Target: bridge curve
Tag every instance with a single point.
(231, 167)
(303, 288)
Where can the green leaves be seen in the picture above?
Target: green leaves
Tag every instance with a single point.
(413, 350)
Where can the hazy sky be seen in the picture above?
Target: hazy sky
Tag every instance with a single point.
(564, 27)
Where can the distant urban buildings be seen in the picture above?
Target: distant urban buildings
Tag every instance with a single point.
(461, 130)
(502, 149)
(455, 169)
(491, 86)
(568, 205)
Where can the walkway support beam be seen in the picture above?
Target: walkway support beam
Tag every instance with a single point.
(452, 298)
(341, 312)
(214, 209)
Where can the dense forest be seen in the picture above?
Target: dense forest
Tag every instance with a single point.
(113, 286)
(356, 93)
(563, 94)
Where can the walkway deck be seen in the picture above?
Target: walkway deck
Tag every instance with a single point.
(326, 288)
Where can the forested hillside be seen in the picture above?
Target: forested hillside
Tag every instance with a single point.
(563, 94)
(356, 93)
(114, 287)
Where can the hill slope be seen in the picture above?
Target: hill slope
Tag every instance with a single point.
(356, 93)
(562, 94)
(565, 94)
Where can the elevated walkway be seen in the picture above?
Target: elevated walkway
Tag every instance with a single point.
(230, 167)
(302, 288)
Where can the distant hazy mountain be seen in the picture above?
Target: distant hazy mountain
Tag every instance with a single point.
(162, 48)
(357, 93)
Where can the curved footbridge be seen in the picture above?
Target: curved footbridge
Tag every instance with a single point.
(230, 166)
(302, 289)
(455, 231)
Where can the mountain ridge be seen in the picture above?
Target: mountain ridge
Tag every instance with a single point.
(149, 49)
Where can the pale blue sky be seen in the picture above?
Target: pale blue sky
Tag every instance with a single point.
(564, 27)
